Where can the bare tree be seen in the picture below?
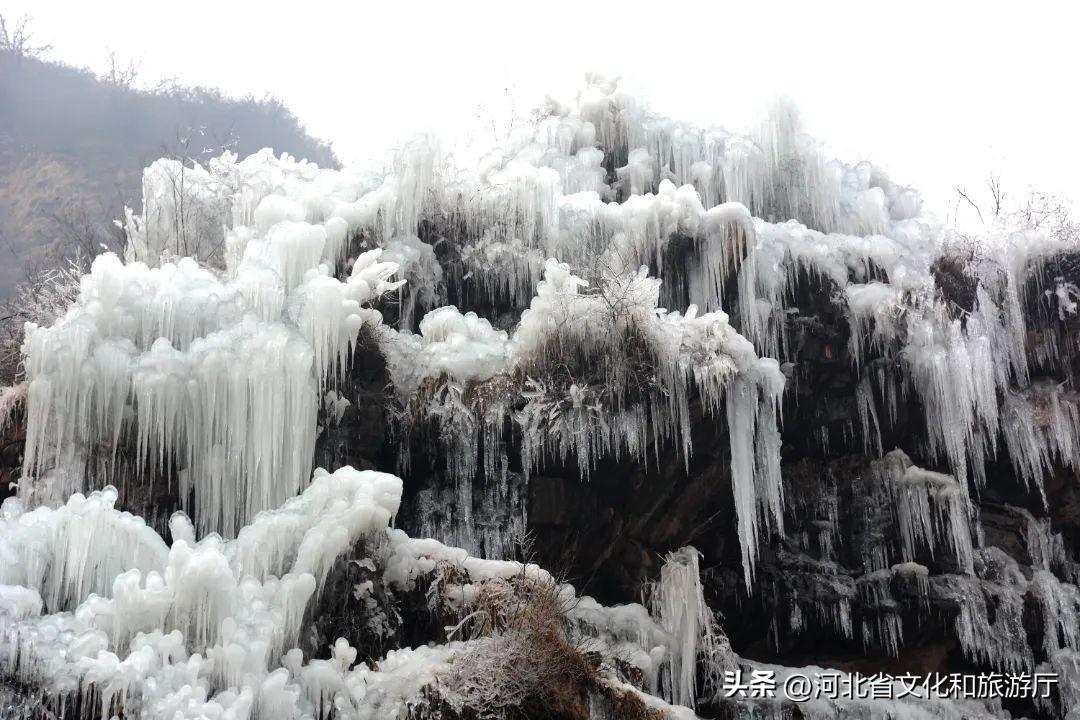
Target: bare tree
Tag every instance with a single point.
(80, 231)
(1038, 210)
(962, 194)
(1047, 212)
(41, 299)
(120, 74)
(187, 220)
(997, 194)
(16, 39)
(48, 214)
(995, 206)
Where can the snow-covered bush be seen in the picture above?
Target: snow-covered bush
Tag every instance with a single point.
(41, 300)
(523, 662)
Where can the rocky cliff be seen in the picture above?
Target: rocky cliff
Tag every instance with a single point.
(759, 388)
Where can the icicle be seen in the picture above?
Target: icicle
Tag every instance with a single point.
(931, 509)
(1003, 642)
(1046, 548)
(1041, 425)
(875, 311)
(867, 407)
(677, 601)
(66, 554)
(460, 374)
(194, 359)
(417, 264)
(882, 624)
(1060, 604)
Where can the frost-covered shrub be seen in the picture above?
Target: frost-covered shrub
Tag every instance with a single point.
(41, 300)
(524, 663)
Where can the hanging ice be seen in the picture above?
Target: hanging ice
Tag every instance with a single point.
(678, 603)
(577, 359)
(183, 359)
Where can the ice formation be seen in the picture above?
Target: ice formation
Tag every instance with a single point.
(931, 510)
(95, 599)
(11, 398)
(576, 358)
(182, 359)
(678, 602)
(575, 300)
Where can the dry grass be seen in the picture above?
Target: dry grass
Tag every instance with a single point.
(524, 662)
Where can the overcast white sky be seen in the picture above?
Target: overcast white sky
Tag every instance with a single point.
(939, 93)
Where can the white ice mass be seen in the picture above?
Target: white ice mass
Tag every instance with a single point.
(215, 378)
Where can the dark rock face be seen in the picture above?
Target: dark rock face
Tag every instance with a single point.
(815, 598)
(11, 445)
(359, 436)
(811, 601)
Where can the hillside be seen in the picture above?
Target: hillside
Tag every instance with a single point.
(73, 146)
(764, 390)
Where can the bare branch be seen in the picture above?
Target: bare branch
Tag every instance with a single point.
(997, 193)
(17, 39)
(121, 75)
(963, 194)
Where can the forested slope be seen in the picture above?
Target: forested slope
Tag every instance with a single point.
(73, 146)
